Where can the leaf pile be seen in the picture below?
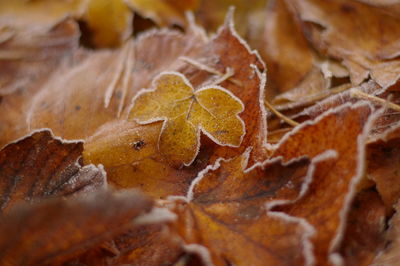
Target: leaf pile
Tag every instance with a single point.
(156, 133)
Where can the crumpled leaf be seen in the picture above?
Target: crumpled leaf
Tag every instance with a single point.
(227, 212)
(55, 230)
(41, 166)
(334, 27)
(212, 110)
(164, 12)
(326, 205)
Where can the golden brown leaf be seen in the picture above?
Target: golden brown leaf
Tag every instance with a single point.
(212, 110)
(130, 156)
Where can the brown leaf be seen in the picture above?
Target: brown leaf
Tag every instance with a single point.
(52, 231)
(130, 156)
(333, 27)
(326, 205)
(227, 211)
(41, 166)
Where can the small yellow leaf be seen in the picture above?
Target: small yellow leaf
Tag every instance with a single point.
(213, 110)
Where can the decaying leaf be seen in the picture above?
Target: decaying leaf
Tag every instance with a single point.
(41, 166)
(52, 231)
(212, 110)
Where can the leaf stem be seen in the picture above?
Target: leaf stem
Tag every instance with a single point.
(280, 115)
(356, 93)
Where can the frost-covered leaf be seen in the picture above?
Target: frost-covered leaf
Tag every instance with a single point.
(212, 110)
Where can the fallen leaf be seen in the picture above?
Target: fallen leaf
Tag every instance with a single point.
(227, 212)
(55, 230)
(212, 110)
(41, 166)
(130, 156)
(326, 205)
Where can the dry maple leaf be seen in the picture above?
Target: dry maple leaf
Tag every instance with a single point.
(212, 110)
(227, 211)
